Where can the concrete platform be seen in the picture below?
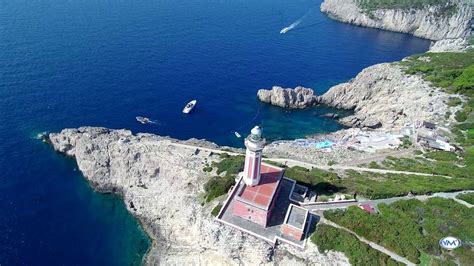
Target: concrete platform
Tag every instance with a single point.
(272, 232)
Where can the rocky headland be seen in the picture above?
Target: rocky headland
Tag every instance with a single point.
(160, 180)
(299, 97)
(383, 96)
(448, 20)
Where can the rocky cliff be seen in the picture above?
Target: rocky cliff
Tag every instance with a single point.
(298, 97)
(383, 96)
(448, 20)
(160, 181)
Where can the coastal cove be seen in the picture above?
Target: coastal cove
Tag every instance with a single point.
(100, 63)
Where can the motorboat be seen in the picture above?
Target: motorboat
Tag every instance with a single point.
(189, 107)
(237, 134)
(285, 30)
(143, 120)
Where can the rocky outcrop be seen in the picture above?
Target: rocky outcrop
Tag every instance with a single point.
(298, 97)
(160, 181)
(445, 21)
(383, 96)
(450, 45)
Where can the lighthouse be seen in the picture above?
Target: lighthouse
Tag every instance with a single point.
(253, 156)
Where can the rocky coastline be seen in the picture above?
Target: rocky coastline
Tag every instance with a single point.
(449, 20)
(160, 181)
(299, 97)
(381, 96)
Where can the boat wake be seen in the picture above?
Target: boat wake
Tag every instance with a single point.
(296, 23)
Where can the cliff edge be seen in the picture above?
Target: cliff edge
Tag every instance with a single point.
(448, 20)
(383, 96)
(160, 182)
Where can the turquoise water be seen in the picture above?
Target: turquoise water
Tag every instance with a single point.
(103, 62)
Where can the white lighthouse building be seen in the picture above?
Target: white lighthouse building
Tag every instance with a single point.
(253, 157)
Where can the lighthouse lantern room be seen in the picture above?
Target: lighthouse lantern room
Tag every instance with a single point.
(254, 144)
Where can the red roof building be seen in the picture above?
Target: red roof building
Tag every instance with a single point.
(367, 208)
(255, 203)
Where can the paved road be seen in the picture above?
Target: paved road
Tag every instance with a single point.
(291, 162)
(447, 195)
(373, 245)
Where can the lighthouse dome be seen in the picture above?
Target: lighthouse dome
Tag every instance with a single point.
(257, 131)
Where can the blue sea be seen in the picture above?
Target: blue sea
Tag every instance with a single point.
(104, 62)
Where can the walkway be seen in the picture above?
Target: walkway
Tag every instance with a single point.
(291, 162)
(343, 205)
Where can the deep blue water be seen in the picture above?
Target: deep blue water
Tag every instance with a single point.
(103, 62)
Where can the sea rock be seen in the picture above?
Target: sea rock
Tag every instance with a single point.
(450, 45)
(298, 97)
(160, 180)
(383, 96)
(448, 20)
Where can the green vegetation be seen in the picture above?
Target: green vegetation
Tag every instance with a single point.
(406, 143)
(454, 101)
(412, 227)
(216, 210)
(219, 185)
(375, 185)
(451, 71)
(318, 180)
(329, 238)
(442, 156)
(467, 197)
(232, 165)
(379, 186)
(438, 163)
(372, 5)
(460, 116)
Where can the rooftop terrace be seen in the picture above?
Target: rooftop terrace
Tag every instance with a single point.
(262, 194)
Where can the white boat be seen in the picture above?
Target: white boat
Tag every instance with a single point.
(285, 30)
(143, 120)
(237, 134)
(189, 107)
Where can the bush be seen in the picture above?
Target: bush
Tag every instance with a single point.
(217, 186)
(207, 169)
(467, 197)
(412, 227)
(329, 238)
(216, 210)
(232, 165)
(460, 116)
(442, 156)
(454, 101)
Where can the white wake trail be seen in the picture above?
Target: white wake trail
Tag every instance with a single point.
(296, 23)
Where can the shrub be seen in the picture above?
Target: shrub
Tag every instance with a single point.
(217, 186)
(411, 227)
(454, 101)
(467, 197)
(232, 165)
(207, 169)
(460, 116)
(329, 238)
(215, 211)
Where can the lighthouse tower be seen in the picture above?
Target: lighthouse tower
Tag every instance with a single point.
(253, 157)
